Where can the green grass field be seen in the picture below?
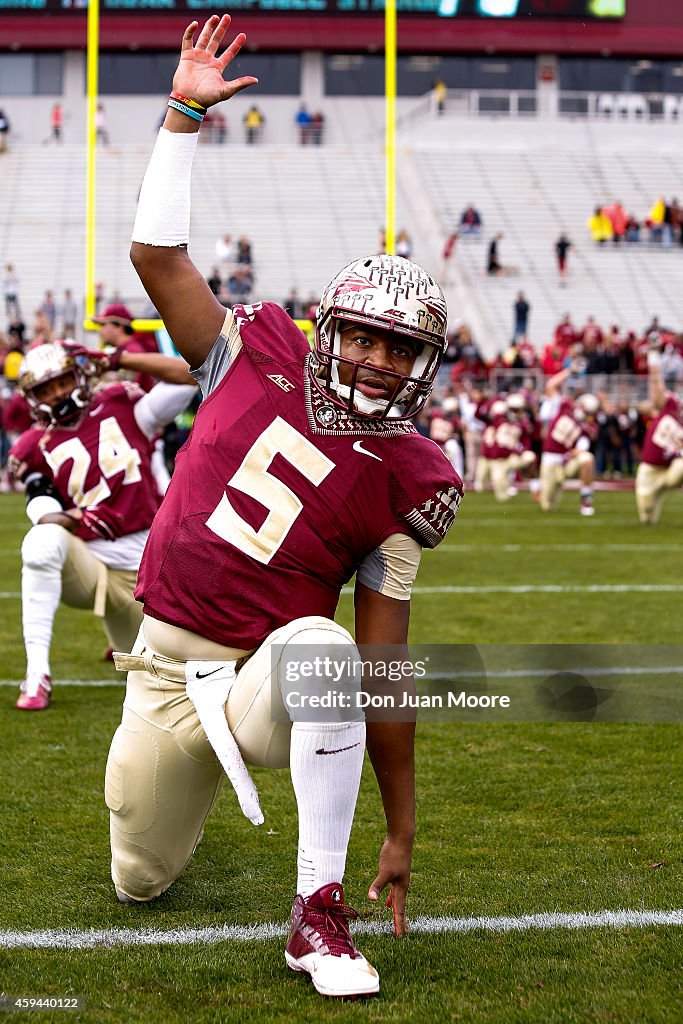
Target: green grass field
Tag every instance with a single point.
(513, 819)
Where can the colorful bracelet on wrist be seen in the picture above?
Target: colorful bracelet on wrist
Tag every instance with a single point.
(188, 102)
(184, 109)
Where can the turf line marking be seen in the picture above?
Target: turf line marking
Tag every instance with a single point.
(551, 588)
(71, 938)
(508, 673)
(559, 547)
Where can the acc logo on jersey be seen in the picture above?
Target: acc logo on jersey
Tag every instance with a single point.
(281, 382)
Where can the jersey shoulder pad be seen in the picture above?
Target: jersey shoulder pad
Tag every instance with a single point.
(425, 490)
(121, 391)
(270, 333)
(26, 451)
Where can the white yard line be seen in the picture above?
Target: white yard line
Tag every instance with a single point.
(108, 938)
(558, 547)
(508, 673)
(550, 588)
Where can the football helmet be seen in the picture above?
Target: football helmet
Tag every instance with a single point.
(515, 405)
(587, 404)
(393, 294)
(49, 362)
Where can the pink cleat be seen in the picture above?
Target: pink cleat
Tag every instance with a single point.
(35, 693)
(320, 945)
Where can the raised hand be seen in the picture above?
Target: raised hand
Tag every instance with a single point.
(199, 75)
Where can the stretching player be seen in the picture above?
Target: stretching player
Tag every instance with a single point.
(302, 468)
(90, 493)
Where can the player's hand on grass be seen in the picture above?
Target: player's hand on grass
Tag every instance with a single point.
(394, 870)
(199, 75)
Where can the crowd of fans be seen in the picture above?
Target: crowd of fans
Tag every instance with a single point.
(590, 350)
(663, 224)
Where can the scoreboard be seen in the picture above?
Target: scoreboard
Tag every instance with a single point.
(542, 9)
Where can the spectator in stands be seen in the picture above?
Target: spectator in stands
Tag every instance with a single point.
(470, 221)
(13, 360)
(99, 296)
(600, 226)
(562, 247)
(49, 307)
(565, 332)
(219, 129)
(672, 366)
(4, 130)
(10, 287)
(240, 283)
(447, 256)
(214, 281)
(317, 127)
(224, 249)
(69, 315)
(655, 220)
(382, 240)
(56, 123)
(439, 95)
(16, 329)
(101, 133)
(521, 310)
(494, 267)
(632, 229)
(672, 222)
(41, 331)
(617, 219)
(253, 124)
(292, 305)
(591, 333)
(302, 119)
(244, 251)
(404, 244)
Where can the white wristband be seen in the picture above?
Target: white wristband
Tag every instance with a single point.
(163, 216)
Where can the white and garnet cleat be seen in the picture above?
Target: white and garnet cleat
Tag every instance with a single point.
(320, 944)
(35, 693)
(586, 508)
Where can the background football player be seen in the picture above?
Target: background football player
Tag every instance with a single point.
(566, 447)
(302, 468)
(90, 493)
(661, 463)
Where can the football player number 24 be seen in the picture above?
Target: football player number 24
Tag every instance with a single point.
(253, 478)
(114, 455)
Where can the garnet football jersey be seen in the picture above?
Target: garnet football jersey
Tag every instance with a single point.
(564, 431)
(664, 437)
(104, 458)
(278, 495)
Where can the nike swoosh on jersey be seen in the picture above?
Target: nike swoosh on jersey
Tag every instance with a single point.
(205, 675)
(338, 750)
(97, 411)
(358, 447)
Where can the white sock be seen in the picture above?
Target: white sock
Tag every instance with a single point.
(326, 790)
(41, 591)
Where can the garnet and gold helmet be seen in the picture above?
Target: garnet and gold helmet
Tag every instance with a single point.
(392, 294)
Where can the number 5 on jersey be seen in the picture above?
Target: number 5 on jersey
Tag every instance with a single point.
(253, 478)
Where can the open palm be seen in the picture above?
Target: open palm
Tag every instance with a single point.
(200, 72)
